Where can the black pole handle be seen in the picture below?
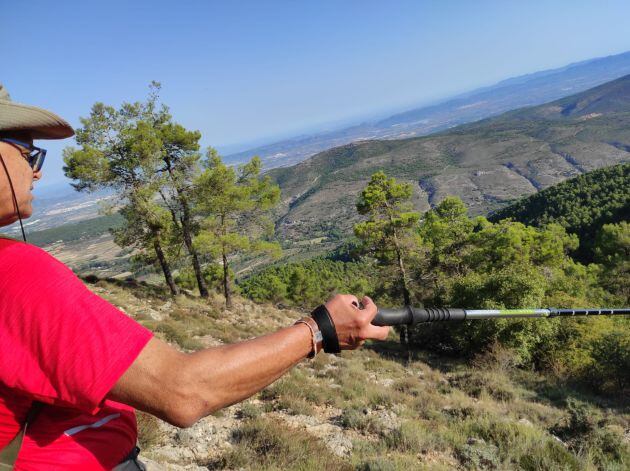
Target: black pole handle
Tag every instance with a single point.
(411, 316)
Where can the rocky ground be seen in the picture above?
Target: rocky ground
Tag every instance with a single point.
(371, 409)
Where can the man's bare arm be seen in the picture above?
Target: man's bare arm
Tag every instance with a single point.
(181, 388)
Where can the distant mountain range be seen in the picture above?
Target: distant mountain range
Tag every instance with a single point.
(488, 163)
(527, 90)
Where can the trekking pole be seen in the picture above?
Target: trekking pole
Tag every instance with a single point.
(413, 315)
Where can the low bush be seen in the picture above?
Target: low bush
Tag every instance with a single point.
(517, 445)
(267, 444)
(611, 359)
(589, 436)
(358, 418)
(476, 383)
(412, 437)
(552, 455)
(478, 455)
(173, 331)
(249, 411)
(148, 430)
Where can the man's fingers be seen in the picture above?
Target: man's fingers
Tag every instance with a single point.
(369, 308)
(377, 332)
(352, 299)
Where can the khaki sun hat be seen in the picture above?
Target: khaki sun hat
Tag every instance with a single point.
(39, 123)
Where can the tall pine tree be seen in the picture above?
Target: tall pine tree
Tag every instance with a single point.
(234, 204)
(390, 233)
(121, 150)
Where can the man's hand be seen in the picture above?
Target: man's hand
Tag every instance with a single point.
(353, 324)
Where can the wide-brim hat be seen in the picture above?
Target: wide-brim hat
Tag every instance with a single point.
(37, 122)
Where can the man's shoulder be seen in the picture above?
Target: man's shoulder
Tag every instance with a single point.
(17, 257)
(13, 248)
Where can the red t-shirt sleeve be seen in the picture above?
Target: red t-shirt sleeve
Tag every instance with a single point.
(59, 342)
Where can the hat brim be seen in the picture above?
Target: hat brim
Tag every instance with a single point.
(39, 123)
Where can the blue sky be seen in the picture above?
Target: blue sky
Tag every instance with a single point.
(249, 71)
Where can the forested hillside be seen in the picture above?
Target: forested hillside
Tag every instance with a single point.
(582, 205)
(487, 164)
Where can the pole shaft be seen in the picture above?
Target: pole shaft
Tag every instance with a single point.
(412, 315)
(505, 313)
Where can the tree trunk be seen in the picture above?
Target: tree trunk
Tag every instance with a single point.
(403, 272)
(186, 219)
(201, 282)
(404, 330)
(168, 276)
(187, 232)
(226, 282)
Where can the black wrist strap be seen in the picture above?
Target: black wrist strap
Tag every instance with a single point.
(327, 328)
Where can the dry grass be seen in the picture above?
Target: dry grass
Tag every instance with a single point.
(267, 444)
(148, 430)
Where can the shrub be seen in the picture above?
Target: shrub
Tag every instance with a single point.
(478, 456)
(611, 358)
(298, 390)
(517, 445)
(411, 437)
(589, 437)
(357, 418)
(475, 383)
(148, 430)
(552, 455)
(294, 406)
(392, 463)
(249, 411)
(270, 444)
(174, 331)
(213, 274)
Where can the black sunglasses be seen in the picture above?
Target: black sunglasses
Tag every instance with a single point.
(35, 156)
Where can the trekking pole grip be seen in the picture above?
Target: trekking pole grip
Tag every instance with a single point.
(411, 315)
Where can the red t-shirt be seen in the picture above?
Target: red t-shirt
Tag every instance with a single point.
(62, 345)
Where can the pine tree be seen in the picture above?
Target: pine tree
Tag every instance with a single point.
(234, 204)
(180, 153)
(121, 150)
(390, 233)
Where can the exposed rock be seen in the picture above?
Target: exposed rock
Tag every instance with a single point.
(332, 435)
(155, 315)
(560, 441)
(387, 382)
(388, 418)
(207, 439)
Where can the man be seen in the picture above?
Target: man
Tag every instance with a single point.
(73, 367)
